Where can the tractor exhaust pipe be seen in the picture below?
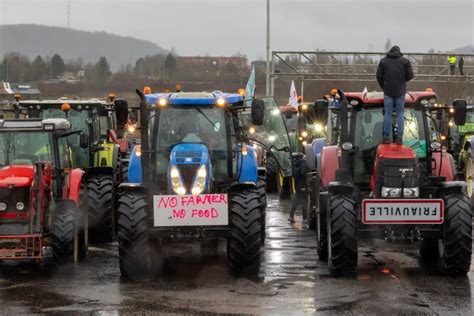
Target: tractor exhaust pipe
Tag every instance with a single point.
(144, 136)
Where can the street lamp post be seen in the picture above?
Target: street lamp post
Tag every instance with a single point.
(268, 51)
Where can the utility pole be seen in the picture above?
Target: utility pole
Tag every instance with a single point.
(268, 69)
(68, 15)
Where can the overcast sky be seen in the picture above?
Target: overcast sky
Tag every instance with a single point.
(224, 27)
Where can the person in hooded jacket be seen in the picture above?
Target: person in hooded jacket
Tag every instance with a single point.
(393, 72)
(300, 198)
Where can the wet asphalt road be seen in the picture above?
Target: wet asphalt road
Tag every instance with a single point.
(292, 281)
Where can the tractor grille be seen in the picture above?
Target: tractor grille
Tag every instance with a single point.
(190, 154)
(188, 172)
(391, 171)
(14, 195)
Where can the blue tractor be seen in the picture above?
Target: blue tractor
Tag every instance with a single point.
(193, 177)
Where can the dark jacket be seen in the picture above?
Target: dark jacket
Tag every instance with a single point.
(393, 72)
(300, 170)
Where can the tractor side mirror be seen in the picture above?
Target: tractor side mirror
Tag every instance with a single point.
(321, 111)
(83, 140)
(443, 126)
(103, 112)
(460, 111)
(258, 112)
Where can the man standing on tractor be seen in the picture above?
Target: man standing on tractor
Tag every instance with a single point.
(393, 72)
(300, 197)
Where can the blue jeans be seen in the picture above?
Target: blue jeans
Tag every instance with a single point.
(389, 103)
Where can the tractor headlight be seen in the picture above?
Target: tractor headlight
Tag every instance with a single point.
(3, 207)
(200, 181)
(318, 128)
(131, 129)
(304, 134)
(176, 182)
(390, 192)
(411, 192)
(20, 206)
(347, 146)
(396, 192)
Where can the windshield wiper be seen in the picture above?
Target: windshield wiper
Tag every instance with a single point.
(207, 118)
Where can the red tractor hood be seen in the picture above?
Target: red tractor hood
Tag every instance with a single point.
(18, 176)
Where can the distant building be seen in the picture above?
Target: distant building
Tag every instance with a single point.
(240, 62)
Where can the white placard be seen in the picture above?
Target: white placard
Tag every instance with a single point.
(190, 210)
(385, 211)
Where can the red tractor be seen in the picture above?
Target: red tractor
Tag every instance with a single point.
(406, 192)
(43, 211)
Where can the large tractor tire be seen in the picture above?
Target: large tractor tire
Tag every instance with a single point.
(263, 206)
(83, 223)
(342, 235)
(271, 176)
(469, 178)
(313, 203)
(244, 244)
(134, 245)
(101, 198)
(124, 167)
(68, 238)
(321, 228)
(455, 249)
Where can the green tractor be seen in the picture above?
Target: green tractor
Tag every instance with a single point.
(98, 150)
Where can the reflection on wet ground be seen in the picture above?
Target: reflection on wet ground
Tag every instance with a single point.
(292, 281)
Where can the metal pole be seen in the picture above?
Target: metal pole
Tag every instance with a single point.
(302, 87)
(267, 81)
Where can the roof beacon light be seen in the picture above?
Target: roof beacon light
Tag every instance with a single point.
(65, 107)
(428, 90)
(111, 97)
(178, 87)
(241, 92)
(17, 97)
(220, 102)
(146, 90)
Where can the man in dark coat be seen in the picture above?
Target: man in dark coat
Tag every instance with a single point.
(393, 72)
(300, 198)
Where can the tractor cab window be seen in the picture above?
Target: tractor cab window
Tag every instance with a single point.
(25, 148)
(79, 121)
(272, 134)
(368, 135)
(64, 153)
(193, 125)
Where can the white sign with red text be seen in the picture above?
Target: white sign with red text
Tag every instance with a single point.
(190, 210)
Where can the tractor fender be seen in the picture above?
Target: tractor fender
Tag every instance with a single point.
(443, 166)
(312, 151)
(340, 187)
(75, 180)
(241, 186)
(453, 187)
(135, 166)
(99, 170)
(115, 156)
(126, 187)
(247, 169)
(329, 165)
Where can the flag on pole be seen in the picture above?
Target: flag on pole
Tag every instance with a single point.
(365, 90)
(293, 101)
(250, 88)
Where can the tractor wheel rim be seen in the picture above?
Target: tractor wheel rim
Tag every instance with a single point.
(469, 177)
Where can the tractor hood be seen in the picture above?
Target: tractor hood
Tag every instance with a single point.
(16, 175)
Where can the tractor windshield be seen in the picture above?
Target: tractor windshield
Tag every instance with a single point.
(78, 120)
(272, 134)
(25, 148)
(193, 125)
(368, 135)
